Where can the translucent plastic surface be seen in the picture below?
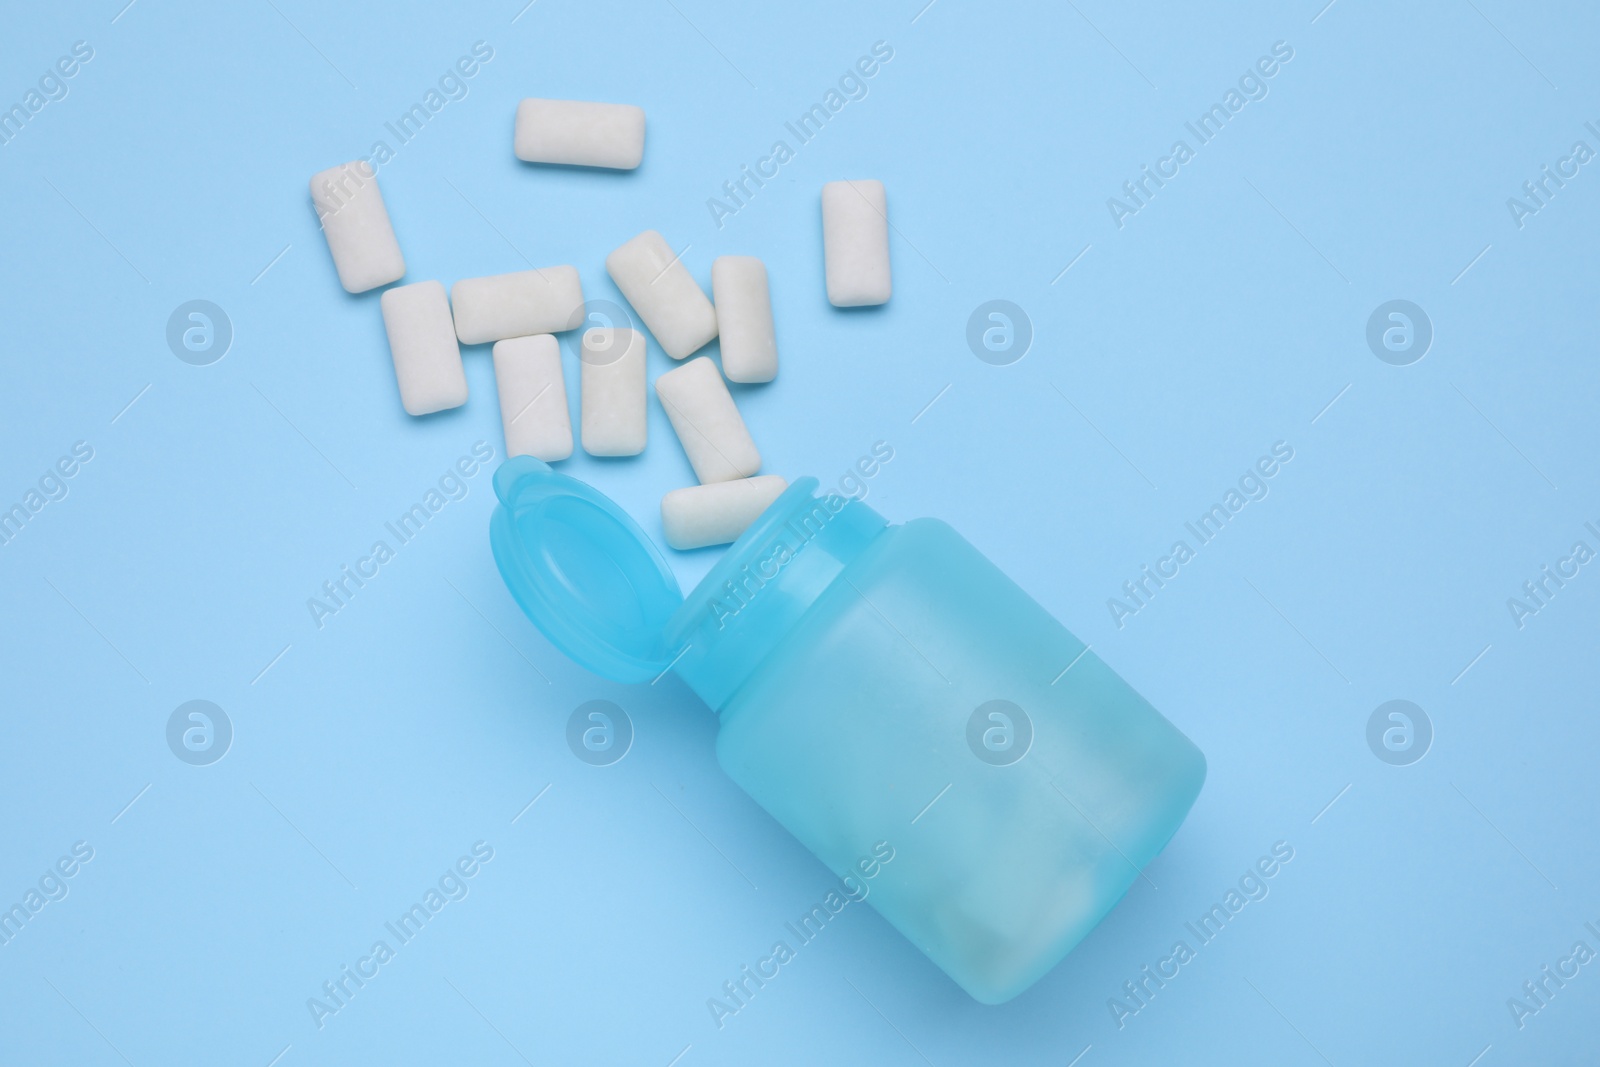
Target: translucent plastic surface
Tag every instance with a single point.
(873, 721)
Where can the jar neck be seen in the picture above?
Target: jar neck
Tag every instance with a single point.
(751, 600)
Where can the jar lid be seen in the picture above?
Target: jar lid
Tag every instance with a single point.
(587, 575)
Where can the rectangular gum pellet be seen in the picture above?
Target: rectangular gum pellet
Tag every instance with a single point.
(708, 422)
(427, 359)
(744, 319)
(718, 513)
(579, 133)
(855, 238)
(533, 397)
(528, 302)
(664, 293)
(613, 416)
(356, 224)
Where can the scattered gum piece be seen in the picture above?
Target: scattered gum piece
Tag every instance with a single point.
(528, 302)
(855, 239)
(422, 339)
(664, 293)
(718, 513)
(579, 133)
(533, 397)
(356, 224)
(613, 420)
(708, 422)
(744, 319)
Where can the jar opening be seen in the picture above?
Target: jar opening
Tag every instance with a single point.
(750, 601)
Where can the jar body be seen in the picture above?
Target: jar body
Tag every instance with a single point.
(924, 700)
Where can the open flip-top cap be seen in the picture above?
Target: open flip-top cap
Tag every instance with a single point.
(583, 571)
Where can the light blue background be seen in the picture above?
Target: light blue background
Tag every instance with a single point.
(1223, 317)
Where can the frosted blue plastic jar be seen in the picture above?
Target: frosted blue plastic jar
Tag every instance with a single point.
(879, 683)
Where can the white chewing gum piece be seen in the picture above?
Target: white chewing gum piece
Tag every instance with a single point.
(528, 302)
(356, 224)
(533, 397)
(708, 422)
(579, 133)
(613, 417)
(427, 359)
(718, 513)
(744, 319)
(664, 293)
(855, 240)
